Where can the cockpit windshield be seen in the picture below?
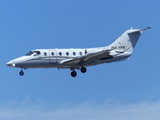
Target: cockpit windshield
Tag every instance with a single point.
(34, 53)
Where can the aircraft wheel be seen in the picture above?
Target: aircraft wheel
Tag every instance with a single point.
(73, 73)
(83, 69)
(21, 73)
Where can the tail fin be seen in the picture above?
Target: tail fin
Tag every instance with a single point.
(128, 40)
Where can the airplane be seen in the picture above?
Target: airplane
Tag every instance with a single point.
(79, 59)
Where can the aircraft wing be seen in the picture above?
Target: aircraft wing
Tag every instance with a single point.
(88, 59)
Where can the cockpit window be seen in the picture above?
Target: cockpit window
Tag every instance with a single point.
(35, 53)
(29, 54)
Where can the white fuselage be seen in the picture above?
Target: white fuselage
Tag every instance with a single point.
(120, 49)
(53, 58)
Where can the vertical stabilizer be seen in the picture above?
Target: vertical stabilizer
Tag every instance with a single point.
(127, 41)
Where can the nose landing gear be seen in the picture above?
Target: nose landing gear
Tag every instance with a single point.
(21, 73)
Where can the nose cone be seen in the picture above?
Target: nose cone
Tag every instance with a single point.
(10, 63)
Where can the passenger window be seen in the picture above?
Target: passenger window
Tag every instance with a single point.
(52, 53)
(80, 53)
(60, 53)
(74, 53)
(45, 54)
(85, 51)
(67, 53)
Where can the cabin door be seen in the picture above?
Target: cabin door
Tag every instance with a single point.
(52, 57)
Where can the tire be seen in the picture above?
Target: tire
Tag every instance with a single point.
(74, 73)
(83, 69)
(21, 73)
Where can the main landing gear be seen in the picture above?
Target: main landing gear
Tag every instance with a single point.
(74, 73)
(83, 69)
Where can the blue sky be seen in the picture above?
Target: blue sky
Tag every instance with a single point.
(123, 90)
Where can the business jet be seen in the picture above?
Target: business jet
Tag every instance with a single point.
(79, 59)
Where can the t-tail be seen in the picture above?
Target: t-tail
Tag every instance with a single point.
(127, 41)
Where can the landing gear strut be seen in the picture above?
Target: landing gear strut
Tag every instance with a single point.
(73, 73)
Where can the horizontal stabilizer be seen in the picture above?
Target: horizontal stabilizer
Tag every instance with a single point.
(146, 28)
(138, 30)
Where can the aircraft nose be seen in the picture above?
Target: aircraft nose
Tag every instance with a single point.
(10, 63)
